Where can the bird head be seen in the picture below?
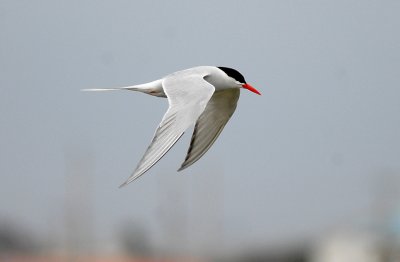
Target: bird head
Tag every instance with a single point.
(239, 79)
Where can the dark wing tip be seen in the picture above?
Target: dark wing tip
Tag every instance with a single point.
(182, 167)
(123, 184)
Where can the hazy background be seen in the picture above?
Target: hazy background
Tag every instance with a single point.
(315, 153)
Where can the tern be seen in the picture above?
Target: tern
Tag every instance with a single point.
(204, 96)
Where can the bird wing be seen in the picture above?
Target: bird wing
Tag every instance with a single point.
(188, 95)
(219, 110)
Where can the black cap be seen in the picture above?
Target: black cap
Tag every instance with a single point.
(233, 73)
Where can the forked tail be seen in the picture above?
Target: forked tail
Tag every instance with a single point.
(102, 89)
(153, 88)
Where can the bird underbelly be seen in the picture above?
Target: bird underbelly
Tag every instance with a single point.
(157, 92)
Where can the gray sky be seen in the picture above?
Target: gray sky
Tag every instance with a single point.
(298, 160)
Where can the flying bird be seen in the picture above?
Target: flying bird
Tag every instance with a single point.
(204, 96)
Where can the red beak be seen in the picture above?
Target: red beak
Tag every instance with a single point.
(252, 89)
